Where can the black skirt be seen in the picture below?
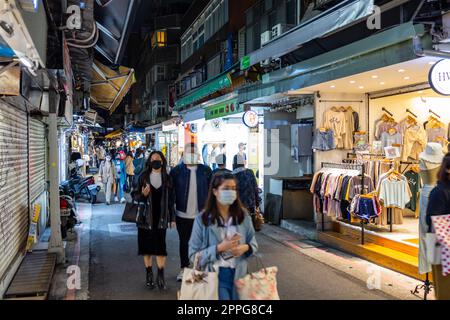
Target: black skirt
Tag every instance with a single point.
(152, 241)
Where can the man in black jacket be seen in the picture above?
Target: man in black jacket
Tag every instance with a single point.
(191, 185)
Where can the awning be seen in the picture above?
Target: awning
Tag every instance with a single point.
(154, 128)
(343, 14)
(109, 86)
(386, 48)
(216, 84)
(114, 134)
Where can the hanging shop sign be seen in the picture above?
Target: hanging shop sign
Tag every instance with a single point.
(250, 119)
(223, 109)
(439, 77)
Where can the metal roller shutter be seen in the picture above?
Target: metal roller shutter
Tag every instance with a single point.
(14, 214)
(37, 159)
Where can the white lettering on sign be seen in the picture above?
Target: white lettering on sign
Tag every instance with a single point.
(439, 77)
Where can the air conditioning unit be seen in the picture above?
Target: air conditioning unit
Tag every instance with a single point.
(279, 29)
(265, 63)
(266, 37)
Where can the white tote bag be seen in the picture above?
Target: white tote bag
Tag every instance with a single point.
(199, 285)
(433, 249)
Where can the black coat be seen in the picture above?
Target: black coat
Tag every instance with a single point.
(439, 202)
(167, 202)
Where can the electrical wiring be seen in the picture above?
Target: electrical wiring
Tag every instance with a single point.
(80, 43)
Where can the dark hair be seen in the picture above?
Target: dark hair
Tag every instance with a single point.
(444, 171)
(130, 154)
(148, 170)
(211, 212)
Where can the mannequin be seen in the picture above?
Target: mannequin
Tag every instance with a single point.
(429, 162)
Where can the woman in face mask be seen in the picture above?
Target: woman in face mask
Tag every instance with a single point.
(155, 189)
(107, 173)
(223, 235)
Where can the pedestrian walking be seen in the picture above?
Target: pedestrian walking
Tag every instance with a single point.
(191, 183)
(129, 168)
(107, 173)
(221, 161)
(139, 167)
(223, 235)
(438, 205)
(121, 176)
(156, 190)
(247, 185)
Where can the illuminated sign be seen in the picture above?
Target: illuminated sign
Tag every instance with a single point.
(250, 119)
(439, 77)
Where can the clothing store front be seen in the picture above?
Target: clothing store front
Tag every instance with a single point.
(378, 124)
(168, 141)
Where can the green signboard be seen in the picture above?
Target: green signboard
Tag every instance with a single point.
(223, 109)
(245, 62)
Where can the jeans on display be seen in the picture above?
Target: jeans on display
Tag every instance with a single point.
(119, 189)
(226, 284)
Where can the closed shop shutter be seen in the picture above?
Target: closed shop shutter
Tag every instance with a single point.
(14, 214)
(38, 166)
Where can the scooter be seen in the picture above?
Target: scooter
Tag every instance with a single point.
(79, 187)
(68, 214)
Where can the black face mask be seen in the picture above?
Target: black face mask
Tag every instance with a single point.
(156, 164)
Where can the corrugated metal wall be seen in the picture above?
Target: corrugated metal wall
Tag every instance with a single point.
(14, 211)
(38, 148)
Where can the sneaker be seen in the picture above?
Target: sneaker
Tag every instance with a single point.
(116, 199)
(122, 200)
(180, 275)
(108, 203)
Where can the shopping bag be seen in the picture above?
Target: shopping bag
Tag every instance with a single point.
(432, 248)
(257, 219)
(199, 285)
(133, 211)
(260, 285)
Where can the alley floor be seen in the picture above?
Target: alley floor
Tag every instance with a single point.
(116, 272)
(105, 249)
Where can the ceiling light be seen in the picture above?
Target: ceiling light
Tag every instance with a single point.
(374, 76)
(406, 78)
(382, 83)
(361, 87)
(352, 81)
(401, 70)
(420, 91)
(332, 86)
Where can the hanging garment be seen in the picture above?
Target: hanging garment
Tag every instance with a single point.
(438, 135)
(414, 142)
(323, 140)
(335, 120)
(394, 193)
(347, 136)
(384, 126)
(414, 183)
(387, 139)
(441, 226)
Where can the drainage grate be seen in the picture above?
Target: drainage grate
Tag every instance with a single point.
(33, 279)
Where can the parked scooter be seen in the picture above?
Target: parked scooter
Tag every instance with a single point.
(78, 187)
(68, 213)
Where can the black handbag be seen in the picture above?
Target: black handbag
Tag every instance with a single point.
(134, 212)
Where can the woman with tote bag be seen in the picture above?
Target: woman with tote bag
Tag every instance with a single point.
(223, 237)
(438, 220)
(155, 190)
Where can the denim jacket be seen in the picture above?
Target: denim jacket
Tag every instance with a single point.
(204, 239)
(181, 177)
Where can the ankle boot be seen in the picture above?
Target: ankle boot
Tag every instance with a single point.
(149, 278)
(160, 279)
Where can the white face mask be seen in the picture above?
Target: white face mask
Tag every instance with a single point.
(108, 159)
(190, 158)
(227, 197)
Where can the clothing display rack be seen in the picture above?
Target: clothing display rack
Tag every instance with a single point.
(432, 112)
(387, 111)
(427, 286)
(409, 111)
(349, 166)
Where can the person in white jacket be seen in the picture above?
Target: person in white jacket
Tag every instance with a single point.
(107, 173)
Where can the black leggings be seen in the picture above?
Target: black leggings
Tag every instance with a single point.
(184, 228)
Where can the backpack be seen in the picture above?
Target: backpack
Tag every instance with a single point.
(137, 173)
